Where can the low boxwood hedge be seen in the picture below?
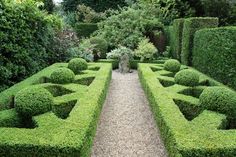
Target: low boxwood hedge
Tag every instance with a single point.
(68, 129)
(186, 127)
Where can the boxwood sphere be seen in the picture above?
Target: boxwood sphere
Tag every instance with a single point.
(33, 101)
(77, 65)
(187, 77)
(62, 76)
(172, 65)
(219, 99)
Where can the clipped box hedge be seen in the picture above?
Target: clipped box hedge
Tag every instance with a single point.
(187, 128)
(215, 54)
(68, 129)
(177, 37)
(190, 26)
(85, 29)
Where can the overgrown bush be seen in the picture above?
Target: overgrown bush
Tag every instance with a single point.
(85, 29)
(214, 54)
(145, 50)
(187, 77)
(172, 65)
(219, 99)
(25, 35)
(33, 101)
(127, 27)
(77, 65)
(100, 46)
(62, 76)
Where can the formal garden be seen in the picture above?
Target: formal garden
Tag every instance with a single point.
(148, 78)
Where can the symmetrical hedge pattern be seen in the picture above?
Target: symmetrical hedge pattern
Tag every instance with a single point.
(191, 25)
(215, 54)
(68, 129)
(187, 128)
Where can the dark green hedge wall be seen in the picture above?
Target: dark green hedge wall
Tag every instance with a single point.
(85, 29)
(97, 5)
(191, 25)
(214, 53)
(177, 37)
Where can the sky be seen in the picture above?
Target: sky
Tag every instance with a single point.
(57, 1)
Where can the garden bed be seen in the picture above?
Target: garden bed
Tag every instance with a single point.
(68, 129)
(187, 129)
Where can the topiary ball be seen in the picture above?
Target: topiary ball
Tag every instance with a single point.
(33, 101)
(77, 65)
(219, 99)
(172, 65)
(100, 45)
(62, 76)
(187, 77)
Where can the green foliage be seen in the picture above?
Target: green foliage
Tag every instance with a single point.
(191, 25)
(48, 5)
(10, 118)
(172, 65)
(88, 15)
(77, 65)
(117, 53)
(71, 136)
(187, 77)
(177, 37)
(85, 29)
(26, 33)
(214, 54)
(100, 46)
(205, 134)
(219, 99)
(62, 76)
(145, 50)
(33, 101)
(102, 5)
(127, 27)
(223, 9)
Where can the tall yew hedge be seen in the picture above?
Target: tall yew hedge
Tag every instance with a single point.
(215, 53)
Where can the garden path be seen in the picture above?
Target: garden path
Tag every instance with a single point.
(126, 127)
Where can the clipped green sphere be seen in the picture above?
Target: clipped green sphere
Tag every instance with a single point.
(33, 101)
(62, 76)
(77, 65)
(172, 65)
(187, 77)
(219, 99)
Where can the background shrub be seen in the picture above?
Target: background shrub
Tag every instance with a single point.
(33, 101)
(101, 5)
(62, 76)
(177, 38)
(219, 99)
(191, 25)
(26, 33)
(187, 77)
(145, 50)
(214, 54)
(77, 65)
(172, 65)
(100, 46)
(85, 29)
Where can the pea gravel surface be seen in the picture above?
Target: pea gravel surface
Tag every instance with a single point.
(126, 127)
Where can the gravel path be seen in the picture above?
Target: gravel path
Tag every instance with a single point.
(127, 127)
